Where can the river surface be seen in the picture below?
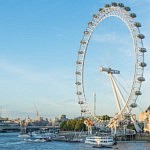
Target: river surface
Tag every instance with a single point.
(11, 141)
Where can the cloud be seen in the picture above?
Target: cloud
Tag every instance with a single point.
(112, 38)
(21, 72)
(33, 73)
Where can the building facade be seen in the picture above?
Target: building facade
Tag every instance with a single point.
(144, 117)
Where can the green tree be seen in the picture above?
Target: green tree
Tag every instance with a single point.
(73, 125)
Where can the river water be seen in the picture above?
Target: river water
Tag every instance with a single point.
(11, 141)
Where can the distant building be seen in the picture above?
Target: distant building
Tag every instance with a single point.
(144, 117)
(55, 122)
(63, 118)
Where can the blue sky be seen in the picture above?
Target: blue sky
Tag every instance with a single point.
(39, 40)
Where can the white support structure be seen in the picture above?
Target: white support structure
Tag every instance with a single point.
(117, 93)
(118, 90)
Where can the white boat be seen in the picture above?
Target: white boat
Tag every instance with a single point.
(100, 140)
(39, 137)
(25, 135)
(35, 140)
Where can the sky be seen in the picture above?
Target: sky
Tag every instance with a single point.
(39, 41)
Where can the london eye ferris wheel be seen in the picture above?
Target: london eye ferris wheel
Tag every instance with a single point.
(125, 15)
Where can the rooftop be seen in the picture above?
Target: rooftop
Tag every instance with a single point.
(148, 109)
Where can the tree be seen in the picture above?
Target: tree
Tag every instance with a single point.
(73, 125)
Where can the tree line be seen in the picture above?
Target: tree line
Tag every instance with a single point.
(77, 124)
(73, 125)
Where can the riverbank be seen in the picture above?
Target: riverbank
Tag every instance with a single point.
(142, 137)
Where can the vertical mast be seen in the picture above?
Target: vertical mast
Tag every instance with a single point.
(94, 94)
(0, 111)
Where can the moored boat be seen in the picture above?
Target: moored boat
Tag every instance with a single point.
(44, 137)
(35, 140)
(100, 140)
(38, 137)
(24, 135)
(101, 146)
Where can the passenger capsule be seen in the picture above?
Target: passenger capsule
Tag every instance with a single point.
(80, 52)
(120, 4)
(101, 9)
(127, 8)
(133, 105)
(141, 36)
(143, 50)
(80, 102)
(137, 24)
(79, 93)
(141, 79)
(107, 5)
(143, 64)
(78, 62)
(78, 73)
(138, 93)
(83, 42)
(114, 4)
(133, 15)
(90, 24)
(78, 83)
(83, 110)
(95, 16)
(86, 32)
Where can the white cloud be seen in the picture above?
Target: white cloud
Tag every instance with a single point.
(33, 74)
(19, 71)
(113, 38)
